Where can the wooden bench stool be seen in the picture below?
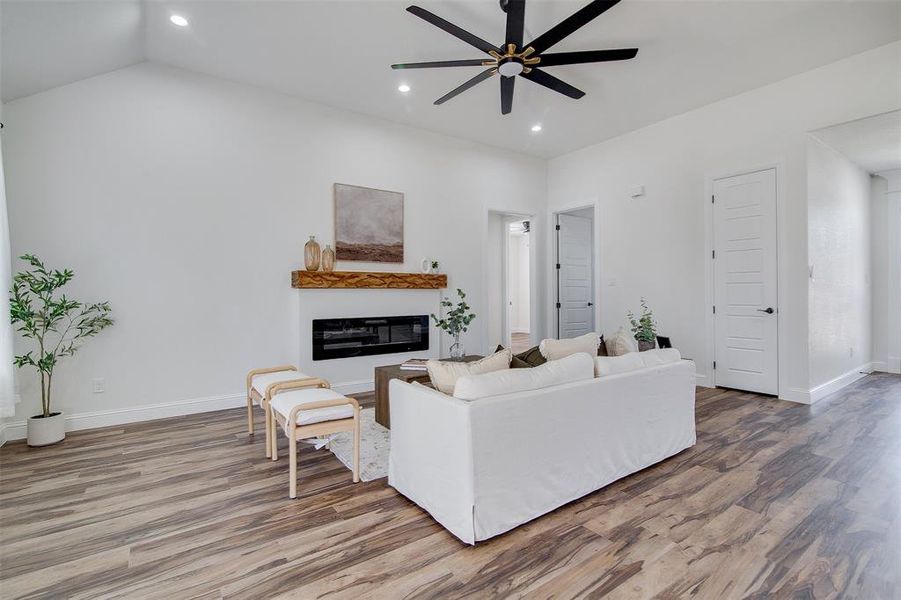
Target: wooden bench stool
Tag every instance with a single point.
(258, 383)
(308, 408)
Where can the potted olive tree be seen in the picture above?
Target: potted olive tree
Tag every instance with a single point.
(58, 326)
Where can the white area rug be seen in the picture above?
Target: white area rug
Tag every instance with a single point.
(375, 443)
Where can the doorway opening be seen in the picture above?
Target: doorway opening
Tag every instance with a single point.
(510, 281)
(518, 285)
(574, 245)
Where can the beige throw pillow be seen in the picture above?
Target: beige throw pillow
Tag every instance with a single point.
(556, 349)
(444, 373)
(621, 343)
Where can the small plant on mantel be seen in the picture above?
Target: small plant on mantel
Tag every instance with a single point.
(58, 325)
(455, 322)
(644, 328)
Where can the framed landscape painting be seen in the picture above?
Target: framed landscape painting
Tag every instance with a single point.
(369, 224)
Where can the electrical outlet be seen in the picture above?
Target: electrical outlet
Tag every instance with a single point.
(99, 385)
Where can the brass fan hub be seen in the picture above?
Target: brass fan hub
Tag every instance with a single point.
(512, 63)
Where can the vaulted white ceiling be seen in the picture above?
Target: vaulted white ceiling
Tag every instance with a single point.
(874, 143)
(338, 52)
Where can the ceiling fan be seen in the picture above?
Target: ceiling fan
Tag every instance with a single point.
(514, 58)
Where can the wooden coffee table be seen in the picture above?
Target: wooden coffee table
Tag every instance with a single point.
(385, 374)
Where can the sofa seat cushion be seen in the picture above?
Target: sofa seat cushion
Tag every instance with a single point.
(553, 349)
(612, 365)
(260, 382)
(445, 373)
(575, 367)
(284, 402)
(659, 356)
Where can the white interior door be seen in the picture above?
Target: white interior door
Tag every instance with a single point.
(575, 283)
(745, 263)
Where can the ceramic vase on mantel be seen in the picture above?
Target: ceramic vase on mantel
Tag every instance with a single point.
(312, 254)
(328, 259)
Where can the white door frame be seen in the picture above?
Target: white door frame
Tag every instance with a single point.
(488, 253)
(553, 322)
(708, 379)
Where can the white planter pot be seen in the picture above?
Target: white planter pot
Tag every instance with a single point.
(43, 431)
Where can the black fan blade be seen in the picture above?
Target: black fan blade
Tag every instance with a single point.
(476, 62)
(516, 13)
(472, 40)
(570, 24)
(549, 81)
(589, 56)
(507, 84)
(471, 83)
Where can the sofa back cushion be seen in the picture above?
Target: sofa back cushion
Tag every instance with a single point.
(612, 365)
(660, 356)
(444, 373)
(633, 361)
(575, 367)
(553, 349)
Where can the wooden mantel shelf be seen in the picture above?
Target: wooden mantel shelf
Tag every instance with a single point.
(367, 279)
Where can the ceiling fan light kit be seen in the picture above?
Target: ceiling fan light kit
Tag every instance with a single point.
(513, 58)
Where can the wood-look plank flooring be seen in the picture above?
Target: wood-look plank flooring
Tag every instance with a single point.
(776, 500)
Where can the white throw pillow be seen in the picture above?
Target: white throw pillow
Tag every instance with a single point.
(444, 373)
(611, 365)
(553, 349)
(621, 342)
(575, 367)
(660, 356)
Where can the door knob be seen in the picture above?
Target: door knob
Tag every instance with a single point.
(590, 304)
(769, 310)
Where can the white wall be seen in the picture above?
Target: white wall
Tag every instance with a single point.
(886, 254)
(654, 245)
(185, 201)
(838, 251)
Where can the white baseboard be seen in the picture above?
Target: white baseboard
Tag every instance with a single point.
(16, 430)
(833, 385)
(799, 395)
(701, 380)
(893, 365)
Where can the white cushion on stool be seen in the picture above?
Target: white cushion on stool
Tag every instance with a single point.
(285, 401)
(261, 382)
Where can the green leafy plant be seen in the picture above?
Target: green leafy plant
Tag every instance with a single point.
(457, 318)
(57, 324)
(644, 328)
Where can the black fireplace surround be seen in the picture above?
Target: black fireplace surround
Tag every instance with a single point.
(365, 336)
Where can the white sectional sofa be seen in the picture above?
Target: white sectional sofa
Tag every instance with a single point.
(484, 466)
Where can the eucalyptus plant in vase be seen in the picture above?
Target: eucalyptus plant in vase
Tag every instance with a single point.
(455, 322)
(644, 327)
(58, 326)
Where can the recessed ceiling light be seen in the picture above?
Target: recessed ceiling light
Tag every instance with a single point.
(536, 128)
(403, 88)
(179, 20)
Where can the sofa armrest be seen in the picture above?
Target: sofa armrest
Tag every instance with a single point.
(431, 454)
